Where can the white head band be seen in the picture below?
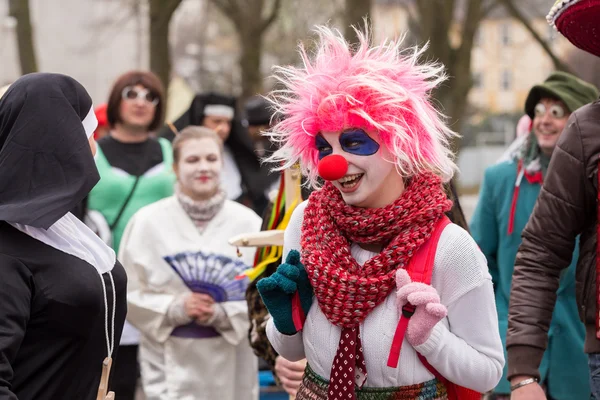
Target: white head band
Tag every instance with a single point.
(219, 110)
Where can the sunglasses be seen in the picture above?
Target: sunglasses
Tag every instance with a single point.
(131, 93)
(556, 111)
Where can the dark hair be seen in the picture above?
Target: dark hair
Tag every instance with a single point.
(146, 79)
(456, 214)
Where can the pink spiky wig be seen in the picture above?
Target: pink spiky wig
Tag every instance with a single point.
(381, 88)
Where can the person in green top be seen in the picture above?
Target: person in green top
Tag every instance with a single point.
(136, 169)
(508, 194)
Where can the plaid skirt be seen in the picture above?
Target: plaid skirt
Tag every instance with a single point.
(314, 387)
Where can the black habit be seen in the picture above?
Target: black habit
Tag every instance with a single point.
(52, 304)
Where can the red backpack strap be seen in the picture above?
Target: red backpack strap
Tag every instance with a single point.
(515, 197)
(420, 266)
(420, 269)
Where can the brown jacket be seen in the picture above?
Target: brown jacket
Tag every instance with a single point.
(565, 208)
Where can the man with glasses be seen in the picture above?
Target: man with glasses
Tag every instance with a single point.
(508, 194)
(136, 169)
(568, 207)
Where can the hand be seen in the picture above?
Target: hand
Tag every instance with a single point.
(428, 309)
(206, 312)
(290, 374)
(198, 304)
(533, 391)
(278, 289)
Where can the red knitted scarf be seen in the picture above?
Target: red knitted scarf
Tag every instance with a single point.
(347, 292)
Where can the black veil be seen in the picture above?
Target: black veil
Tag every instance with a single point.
(254, 181)
(46, 165)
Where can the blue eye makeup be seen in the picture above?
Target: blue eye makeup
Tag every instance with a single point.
(358, 142)
(323, 146)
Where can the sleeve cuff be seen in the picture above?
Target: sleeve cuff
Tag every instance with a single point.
(290, 347)
(176, 314)
(524, 360)
(432, 344)
(219, 319)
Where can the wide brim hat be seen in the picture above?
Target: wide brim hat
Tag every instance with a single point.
(571, 90)
(579, 22)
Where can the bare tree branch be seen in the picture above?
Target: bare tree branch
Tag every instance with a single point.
(516, 14)
(19, 9)
(272, 15)
(227, 7)
(414, 28)
(171, 7)
(470, 25)
(488, 8)
(250, 26)
(435, 27)
(160, 56)
(354, 17)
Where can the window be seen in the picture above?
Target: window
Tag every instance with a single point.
(477, 80)
(506, 80)
(505, 34)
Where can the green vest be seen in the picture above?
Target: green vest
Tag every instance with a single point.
(109, 195)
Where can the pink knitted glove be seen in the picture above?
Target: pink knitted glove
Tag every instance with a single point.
(428, 309)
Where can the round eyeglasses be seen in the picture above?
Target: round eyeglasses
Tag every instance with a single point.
(556, 111)
(131, 93)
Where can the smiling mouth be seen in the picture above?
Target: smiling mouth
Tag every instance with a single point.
(350, 181)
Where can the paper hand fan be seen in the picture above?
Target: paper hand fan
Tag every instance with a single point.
(212, 274)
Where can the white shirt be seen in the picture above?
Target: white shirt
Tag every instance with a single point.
(464, 347)
(73, 237)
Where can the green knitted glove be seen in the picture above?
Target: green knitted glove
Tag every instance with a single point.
(278, 289)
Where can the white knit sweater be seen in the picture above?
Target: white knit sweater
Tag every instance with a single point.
(464, 347)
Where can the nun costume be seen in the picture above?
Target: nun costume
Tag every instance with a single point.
(62, 297)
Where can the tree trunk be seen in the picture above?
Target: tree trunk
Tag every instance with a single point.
(250, 24)
(161, 12)
(356, 11)
(250, 57)
(452, 94)
(19, 9)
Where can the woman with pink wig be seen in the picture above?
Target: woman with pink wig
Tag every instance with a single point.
(382, 295)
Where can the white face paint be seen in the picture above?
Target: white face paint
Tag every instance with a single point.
(199, 168)
(371, 181)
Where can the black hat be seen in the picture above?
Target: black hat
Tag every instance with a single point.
(202, 101)
(238, 142)
(258, 111)
(568, 88)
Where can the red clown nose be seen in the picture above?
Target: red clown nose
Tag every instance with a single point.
(333, 167)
